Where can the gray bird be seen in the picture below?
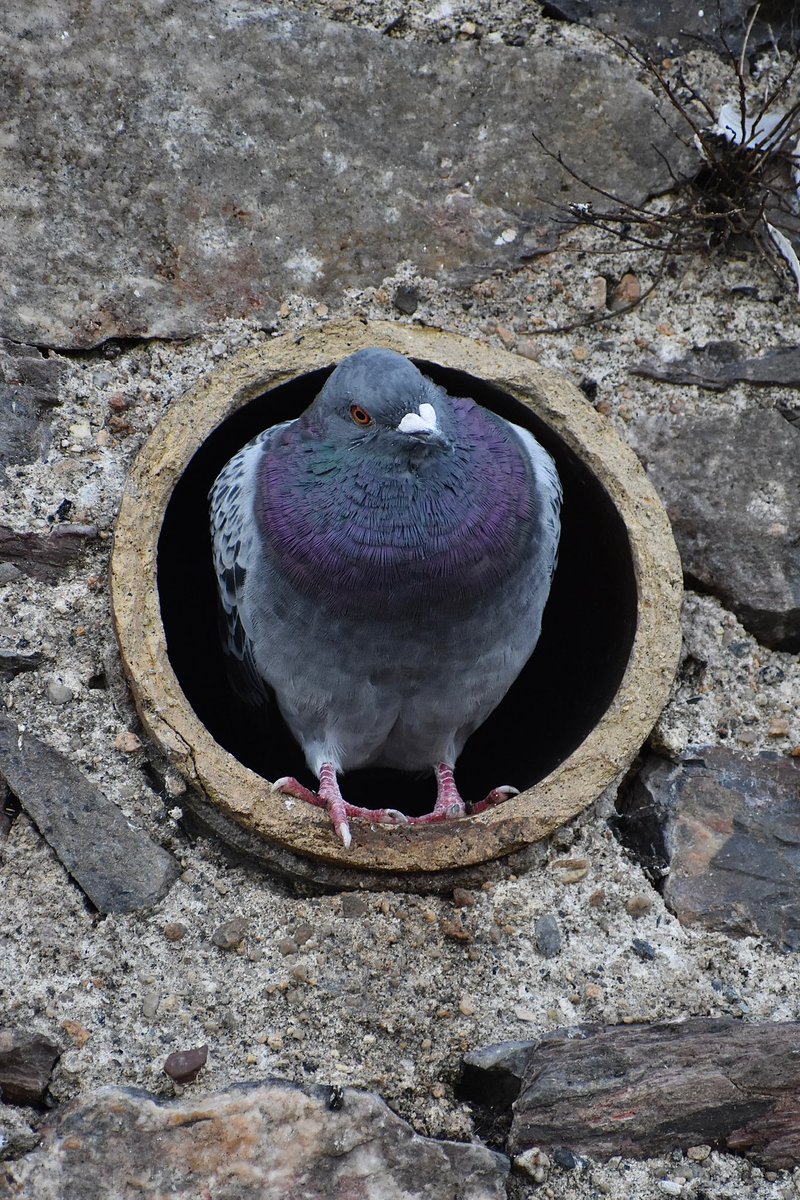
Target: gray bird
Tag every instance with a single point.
(383, 562)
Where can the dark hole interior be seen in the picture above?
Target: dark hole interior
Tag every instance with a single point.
(566, 686)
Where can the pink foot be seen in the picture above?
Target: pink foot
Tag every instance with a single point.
(449, 803)
(496, 796)
(330, 797)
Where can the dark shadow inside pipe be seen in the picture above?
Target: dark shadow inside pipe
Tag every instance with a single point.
(567, 685)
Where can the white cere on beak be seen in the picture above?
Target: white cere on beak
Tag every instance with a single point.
(422, 422)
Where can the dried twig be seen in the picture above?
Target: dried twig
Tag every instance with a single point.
(745, 190)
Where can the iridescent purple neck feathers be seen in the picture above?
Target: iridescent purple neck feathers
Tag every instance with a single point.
(395, 530)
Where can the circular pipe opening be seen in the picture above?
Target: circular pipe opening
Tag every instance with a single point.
(567, 685)
(574, 719)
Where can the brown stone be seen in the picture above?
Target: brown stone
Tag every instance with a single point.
(12, 662)
(44, 555)
(127, 742)
(78, 1034)
(628, 291)
(175, 931)
(184, 1065)
(641, 1090)
(26, 1063)
(729, 825)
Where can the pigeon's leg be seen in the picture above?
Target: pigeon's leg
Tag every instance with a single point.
(448, 798)
(449, 803)
(330, 797)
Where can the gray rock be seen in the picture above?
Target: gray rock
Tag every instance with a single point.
(26, 1063)
(547, 935)
(642, 1090)
(8, 572)
(16, 1135)
(719, 365)
(230, 934)
(731, 486)
(119, 868)
(354, 905)
(59, 693)
(265, 1141)
(406, 300)
(729, 828)
(664, 28)
(29, 386)
(12, 661)
(285, 152)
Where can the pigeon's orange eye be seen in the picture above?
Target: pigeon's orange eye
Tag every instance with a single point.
(360, 415)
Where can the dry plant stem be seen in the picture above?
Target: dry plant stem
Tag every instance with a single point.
(744, 187)
(597, 318)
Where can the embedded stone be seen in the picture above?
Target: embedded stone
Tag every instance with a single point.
(429, 158)
(264, 1141)
(117, 865)
(731, 486)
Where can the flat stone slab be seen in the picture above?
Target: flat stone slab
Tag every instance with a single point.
(118, 867)
(44, 555)
(730, 828)
(719, 365)
(731, 486)
(29, 387)
(13, 661)
(678, 26)
(269, 1141)
(643, 1090)
(161, 173)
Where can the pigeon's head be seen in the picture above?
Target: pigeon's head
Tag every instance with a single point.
(378, 400)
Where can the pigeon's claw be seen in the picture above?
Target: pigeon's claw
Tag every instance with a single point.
(287, 785)
(330, 797)
(496, 796)
(448, 799)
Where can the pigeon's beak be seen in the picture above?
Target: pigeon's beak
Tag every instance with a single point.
(423, 427)
(429, 437)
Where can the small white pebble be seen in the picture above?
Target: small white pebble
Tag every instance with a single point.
(506, 237)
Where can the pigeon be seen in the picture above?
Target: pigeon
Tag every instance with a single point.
(383, 562)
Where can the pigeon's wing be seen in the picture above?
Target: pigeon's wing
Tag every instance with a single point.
(236, 551)
(549, 495)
